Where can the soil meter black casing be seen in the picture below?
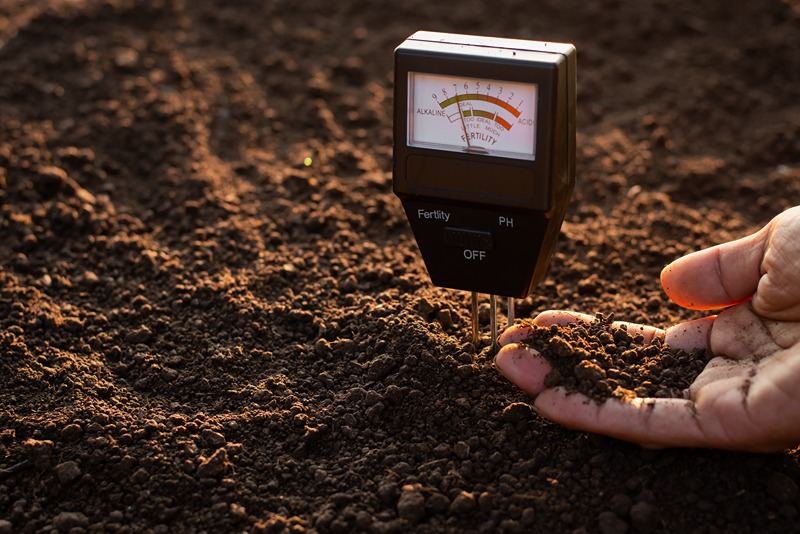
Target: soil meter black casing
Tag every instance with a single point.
(484, 155)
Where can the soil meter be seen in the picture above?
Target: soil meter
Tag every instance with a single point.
(484, 158)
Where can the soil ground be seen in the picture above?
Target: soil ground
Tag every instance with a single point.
(198, 332)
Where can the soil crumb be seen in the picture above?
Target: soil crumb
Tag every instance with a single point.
(602, 360)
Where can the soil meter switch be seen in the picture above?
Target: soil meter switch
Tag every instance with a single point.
(484, 157)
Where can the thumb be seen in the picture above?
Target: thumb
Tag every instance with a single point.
(762, 266)
(717, 277)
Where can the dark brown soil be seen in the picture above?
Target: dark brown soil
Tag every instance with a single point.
(198, 332)
(603, 360)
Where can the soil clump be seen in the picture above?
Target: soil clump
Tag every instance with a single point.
(603, 360)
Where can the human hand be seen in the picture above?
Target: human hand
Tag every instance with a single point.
(747, 397)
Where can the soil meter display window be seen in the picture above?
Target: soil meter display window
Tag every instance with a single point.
(481, 116)
(484, 155)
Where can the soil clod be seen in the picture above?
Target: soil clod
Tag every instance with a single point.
(602, 360)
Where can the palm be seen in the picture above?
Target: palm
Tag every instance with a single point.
(747, 397)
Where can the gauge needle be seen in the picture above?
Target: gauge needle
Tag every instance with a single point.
(463, 124)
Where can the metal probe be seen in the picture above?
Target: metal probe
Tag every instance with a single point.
(475, 333)
(492, 318)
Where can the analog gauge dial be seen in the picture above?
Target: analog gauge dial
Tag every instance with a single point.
(472, 115)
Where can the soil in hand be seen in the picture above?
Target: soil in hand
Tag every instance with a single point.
(602, 360)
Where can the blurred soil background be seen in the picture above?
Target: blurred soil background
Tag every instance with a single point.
(199, 333)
